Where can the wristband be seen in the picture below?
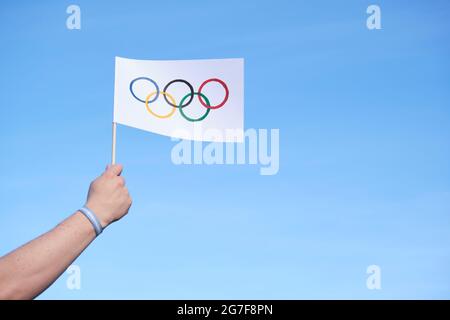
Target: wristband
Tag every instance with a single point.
(93, 219)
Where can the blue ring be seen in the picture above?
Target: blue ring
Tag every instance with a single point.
(148, 79)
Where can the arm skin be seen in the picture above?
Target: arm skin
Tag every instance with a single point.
(29, 270)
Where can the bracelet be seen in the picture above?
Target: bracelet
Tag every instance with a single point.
(93, 219)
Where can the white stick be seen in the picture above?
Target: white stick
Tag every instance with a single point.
(113, 155)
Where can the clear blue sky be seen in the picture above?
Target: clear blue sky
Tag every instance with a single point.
(364, 119)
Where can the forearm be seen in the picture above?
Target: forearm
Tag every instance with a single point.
(30, 269)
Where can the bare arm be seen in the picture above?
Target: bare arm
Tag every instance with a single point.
(32, 268)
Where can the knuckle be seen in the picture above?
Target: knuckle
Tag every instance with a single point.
(108, 174)
(128, 199)
(120, 181)
(93, 184)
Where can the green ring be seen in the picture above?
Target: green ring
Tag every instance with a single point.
(191, 119)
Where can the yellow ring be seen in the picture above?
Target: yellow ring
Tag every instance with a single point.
(157, 115)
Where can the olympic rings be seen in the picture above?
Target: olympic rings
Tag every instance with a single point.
(190, 88)
(200, 96)
(183, 103)
(191, 95)
(155, 114)
(148, 79)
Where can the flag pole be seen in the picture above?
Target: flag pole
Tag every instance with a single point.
(113, 153)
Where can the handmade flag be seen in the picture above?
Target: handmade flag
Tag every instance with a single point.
(187, 99)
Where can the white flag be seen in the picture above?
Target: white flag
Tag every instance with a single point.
(187, 99)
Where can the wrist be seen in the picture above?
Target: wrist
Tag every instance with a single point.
(100, 212)
(93, 218)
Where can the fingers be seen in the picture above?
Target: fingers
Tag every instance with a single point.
(114, 170)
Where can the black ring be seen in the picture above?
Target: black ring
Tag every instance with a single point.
(186, 83)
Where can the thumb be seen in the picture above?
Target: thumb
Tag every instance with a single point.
(114, 169)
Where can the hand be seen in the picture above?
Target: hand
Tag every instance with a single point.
(108, 197)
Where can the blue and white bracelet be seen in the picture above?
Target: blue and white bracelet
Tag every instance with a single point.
(88, 213)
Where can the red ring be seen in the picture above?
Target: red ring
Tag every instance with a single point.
(220, 104)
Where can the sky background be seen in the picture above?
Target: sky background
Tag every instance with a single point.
(364, 119)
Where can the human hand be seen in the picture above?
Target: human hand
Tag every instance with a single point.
(108, 197)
